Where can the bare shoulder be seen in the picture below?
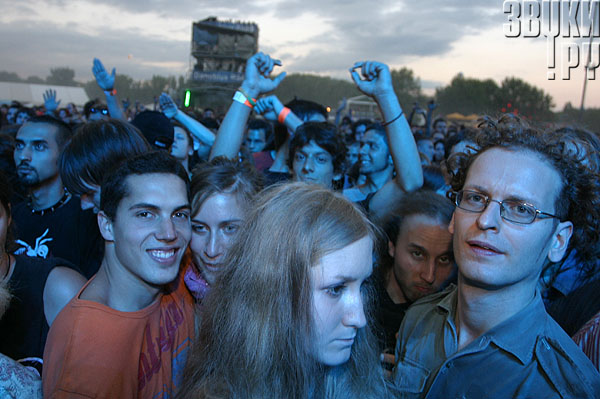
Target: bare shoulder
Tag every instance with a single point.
(62, 285)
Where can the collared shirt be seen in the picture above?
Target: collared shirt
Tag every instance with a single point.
(526, 356)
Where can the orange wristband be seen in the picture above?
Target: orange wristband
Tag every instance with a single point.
(283, 114)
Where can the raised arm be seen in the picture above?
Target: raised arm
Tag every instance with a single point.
(106, 82)
(50, 102)
(256, 82)
(273, 110)
(376, 82)
(202, 133)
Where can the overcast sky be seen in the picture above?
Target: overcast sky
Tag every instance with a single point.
(435, 38)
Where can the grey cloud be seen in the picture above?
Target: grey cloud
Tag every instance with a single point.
(194, 9)
(362, 30)
(359, 30)
(33, 48)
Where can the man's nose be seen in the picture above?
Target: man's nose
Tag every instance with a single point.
(166, 231)
(24, 153)
(428, 271)
(490, 217)
(309, 164)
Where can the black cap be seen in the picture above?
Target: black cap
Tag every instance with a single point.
(156, 128)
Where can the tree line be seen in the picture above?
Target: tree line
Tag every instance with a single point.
(463, 95)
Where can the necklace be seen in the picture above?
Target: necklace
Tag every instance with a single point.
(65, 198)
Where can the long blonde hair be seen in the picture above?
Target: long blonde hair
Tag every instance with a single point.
(256, 329)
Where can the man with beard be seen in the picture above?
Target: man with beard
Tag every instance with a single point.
(49, 222)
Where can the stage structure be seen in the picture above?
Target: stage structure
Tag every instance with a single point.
(220, 50)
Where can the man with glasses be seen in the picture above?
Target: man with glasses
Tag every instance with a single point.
(519, 202)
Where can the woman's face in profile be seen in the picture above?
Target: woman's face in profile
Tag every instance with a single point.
(337, 300)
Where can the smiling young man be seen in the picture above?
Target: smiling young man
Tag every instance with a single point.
(127, 332)
(518, 203)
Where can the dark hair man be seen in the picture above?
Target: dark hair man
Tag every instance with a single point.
(519, 201)
(259, 135)
(418, 259)
(50, 222)
(127, 332)
(440, 126)
(96, 148)
(316, 154)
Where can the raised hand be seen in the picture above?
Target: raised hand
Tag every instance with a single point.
(50, 102)
(376, 82)
(167, 105)
(105, 80)
(258, 69)
(269, 107)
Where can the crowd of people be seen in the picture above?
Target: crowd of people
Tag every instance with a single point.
(280, 252)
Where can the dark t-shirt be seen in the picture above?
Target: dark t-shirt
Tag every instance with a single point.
(23, 328)
(388, 316)
(72, 234)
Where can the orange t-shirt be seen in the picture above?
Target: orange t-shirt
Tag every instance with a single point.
(94, 351)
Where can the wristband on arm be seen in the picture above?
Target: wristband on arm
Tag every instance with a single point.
(112, 92)
(241, 98)
(283, 114)
(251, 100)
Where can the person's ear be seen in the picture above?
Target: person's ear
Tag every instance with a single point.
(391, 248)
(560, 241)
(106, 226)
(451, 225)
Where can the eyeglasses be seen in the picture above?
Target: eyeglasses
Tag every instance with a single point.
(511, 210)
(103, 110)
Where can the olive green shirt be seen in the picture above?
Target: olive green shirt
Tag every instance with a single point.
(526, 356)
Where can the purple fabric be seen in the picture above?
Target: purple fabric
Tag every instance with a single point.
(197, 285)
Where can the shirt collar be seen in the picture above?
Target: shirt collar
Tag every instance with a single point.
(528, 323)
(518, 335)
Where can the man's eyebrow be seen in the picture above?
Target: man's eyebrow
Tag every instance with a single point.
(34, 141)
(511, 197)
(185, 207)
(143, 205)
(476, 188)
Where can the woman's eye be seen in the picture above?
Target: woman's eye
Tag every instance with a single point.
(336, 290)
(198, 228)
(231, 228)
